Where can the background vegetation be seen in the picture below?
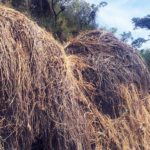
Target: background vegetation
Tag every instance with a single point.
(63, 18)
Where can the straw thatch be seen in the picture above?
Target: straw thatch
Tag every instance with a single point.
(38, 93)
(111, 64)
(45, 96)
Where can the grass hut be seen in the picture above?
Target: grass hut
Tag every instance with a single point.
(38, 93)
(111, 63)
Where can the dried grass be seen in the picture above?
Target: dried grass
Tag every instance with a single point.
(45, 95)
(112, 63)
(38, 92)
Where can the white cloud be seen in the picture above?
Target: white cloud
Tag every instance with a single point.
(91, 1)
(111, 16)
(118, 13)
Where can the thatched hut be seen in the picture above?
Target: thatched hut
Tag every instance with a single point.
(45, 96)
(111, 63)
(38, 93)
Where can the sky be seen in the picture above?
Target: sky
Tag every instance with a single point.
(118, 13)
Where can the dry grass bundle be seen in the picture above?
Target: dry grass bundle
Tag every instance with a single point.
(38, 93)
(44, 93)
(129, 131)
(120, 107)
(111, 63)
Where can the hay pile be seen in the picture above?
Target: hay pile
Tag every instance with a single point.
(120, 103)
(38, 93)
(48, 100)
(111, 63)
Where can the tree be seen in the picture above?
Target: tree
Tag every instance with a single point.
(64, 18)
(83, 13)
(137, 43)
(142, 22)
(126, 36)
(113, 30)
(146, 55)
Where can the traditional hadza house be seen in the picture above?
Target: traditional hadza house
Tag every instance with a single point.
(111, 63)
(38, 93)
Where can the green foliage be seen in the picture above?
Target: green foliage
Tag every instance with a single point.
(126, 36)
(113, 30)
(137, 43)
(64, 18)
(142, 22)
(146, 55)
(17, 3)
